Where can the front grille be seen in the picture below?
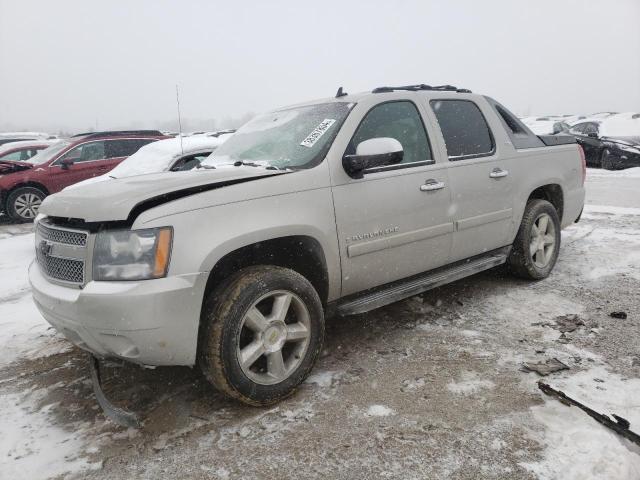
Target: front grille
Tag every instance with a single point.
(64, 269)
(62, 236)
(61, 253)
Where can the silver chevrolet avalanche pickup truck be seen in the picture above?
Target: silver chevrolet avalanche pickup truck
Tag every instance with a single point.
(336, 206)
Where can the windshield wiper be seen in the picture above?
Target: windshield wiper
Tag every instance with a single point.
(240, 163)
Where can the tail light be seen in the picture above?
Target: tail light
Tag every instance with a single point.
(583, 160)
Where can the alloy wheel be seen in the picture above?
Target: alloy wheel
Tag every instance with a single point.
(274, 337)
(543, 240)
(27, 205)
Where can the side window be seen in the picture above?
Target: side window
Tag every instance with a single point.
(399, 120)
(590, 128)
(87, 152)
(125, 147)
(14, 156)
(578, 129)
(465, 131)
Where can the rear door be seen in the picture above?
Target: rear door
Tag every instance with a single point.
(481, 187)
(119, 149)
(394, 222)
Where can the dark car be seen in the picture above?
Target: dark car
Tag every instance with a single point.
(24, 184)
(587, 134)
(620, 152)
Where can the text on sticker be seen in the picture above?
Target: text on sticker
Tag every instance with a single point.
(320, 130)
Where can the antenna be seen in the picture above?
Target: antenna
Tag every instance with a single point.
(179, 119)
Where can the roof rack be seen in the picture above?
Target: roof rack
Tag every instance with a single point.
(118, 133)
(422, 86)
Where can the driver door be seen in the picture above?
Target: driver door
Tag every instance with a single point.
(395, 221)
(88, 161)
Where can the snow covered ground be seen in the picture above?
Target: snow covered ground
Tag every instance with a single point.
(430, 387)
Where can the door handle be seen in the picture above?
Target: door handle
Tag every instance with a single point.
(498, 173)
(431, 185)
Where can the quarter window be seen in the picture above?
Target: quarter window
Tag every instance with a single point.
(579, 129)
(465, 131)
(399, 120)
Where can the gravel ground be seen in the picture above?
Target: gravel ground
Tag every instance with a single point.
(430, 387)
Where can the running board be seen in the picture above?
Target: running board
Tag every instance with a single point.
(402, 289)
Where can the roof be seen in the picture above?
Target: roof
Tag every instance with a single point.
(342, 96)
(118, 133)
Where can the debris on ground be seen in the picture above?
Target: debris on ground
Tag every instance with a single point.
(620, 426)
(620, 315)
(568, 323)
(563, 323)
(545, 368)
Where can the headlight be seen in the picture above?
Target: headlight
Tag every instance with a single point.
(132, 254)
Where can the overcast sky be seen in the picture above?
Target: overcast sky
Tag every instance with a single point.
(75, 64)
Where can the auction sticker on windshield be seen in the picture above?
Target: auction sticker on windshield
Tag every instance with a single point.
(320, 130)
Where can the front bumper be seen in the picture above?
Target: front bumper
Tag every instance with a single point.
(150, 322)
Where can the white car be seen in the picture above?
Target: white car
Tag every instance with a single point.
(550, 125)
(173, 154)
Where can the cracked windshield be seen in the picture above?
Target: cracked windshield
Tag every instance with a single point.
(331, 240)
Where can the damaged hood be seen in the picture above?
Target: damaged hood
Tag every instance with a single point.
(121, 199)
(9, 166)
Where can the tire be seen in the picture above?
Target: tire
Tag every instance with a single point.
(243, 318)
(605, 160)
(23, 203)
(533, 256)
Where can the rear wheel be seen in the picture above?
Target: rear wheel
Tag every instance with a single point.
(535, 249)
(23, 203)
(261, 335)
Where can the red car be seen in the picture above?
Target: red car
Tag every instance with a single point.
(24, 149)
(24, 184)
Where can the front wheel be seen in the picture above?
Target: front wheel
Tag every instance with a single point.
(537, 244)
(23, 203)
(262, 331)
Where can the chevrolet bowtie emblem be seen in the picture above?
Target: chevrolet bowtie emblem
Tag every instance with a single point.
(45, 247)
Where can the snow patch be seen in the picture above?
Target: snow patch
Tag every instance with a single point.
(470, 384)
(379, 411)
(576, 446)
(31, 447)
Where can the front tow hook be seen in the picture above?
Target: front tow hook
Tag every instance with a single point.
(120, 416)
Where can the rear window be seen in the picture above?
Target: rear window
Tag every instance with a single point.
(465, 131)
(510, 121)
(125, 147)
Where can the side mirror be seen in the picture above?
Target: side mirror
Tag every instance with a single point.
(67, 162)
(592, 135)
(375, 152)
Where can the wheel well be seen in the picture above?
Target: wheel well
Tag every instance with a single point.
(299, 253)
(551, 193)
